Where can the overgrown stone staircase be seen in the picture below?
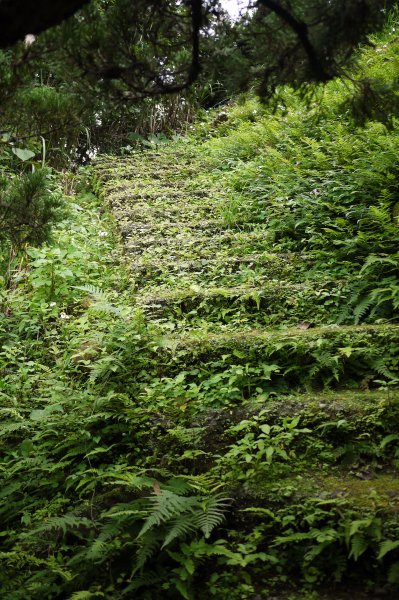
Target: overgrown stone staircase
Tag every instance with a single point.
(224, 298)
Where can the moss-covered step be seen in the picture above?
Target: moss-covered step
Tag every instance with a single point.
(175, 229)
(188, 246)
(224, 271)
(295, 357)
(275, 302)
(132, 194)
(346, 432)
(173, 158)
(187, 215)
(318, 407)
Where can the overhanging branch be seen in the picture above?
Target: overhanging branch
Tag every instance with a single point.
(20, 17)
(302, 32)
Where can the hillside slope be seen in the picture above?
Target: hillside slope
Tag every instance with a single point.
(259, 326)
(200, 374)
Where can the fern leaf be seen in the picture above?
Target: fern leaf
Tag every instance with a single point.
(86, 595)
(165, 506)
(146, 579)
(63, 523)
(387, 546)
(149, 544)
(362, 307)
(393, 573)
(94, 291)
(212, 514)
(180, 527)
(102, 303)
(359, 545)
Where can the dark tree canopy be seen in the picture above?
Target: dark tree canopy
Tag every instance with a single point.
(113, 61)
(291, 38)
(21, 17)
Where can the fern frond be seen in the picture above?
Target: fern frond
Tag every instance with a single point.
(102, 302)
(148, 578)
(382, 261)
(180, 527)
(165, 506)
(393, 573)
(97, 550)
(358, 545)
(132, 480)
(179, 485)
(387, 546)
(148, 545)
(12, 428)
(212, 514)
(362, 307)
(94, 291)
(381, 368)
(86, 595)
(64, 523)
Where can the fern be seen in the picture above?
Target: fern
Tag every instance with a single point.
(175, 517)
(358, 545)
(94, 291)
(393, 573)
(102, 303)
(86, 595)
(212, 514)
(13, 427)
(147, 546)
(148, 578)
(164, 507)
(362, 307)
(379, 261)
(101, 546)
(387, 546)
(379, 365)
(180, 527)
(63, 523)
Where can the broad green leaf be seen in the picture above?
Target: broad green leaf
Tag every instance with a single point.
(23, 153)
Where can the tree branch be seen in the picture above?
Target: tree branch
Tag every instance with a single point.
(20, 17)
(302, 32)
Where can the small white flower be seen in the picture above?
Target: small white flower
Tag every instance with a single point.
(103, 233)
(52, 304)
(64, 316)
(29, 39)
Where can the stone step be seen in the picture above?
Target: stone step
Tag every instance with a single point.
(157, 195)
(351, 404)
(256, 337)
(162, 168)
(225, 271)
(321, 356)
(368, 489)
(274, 302)
(188, 246)
(133, 231)
(161, 214)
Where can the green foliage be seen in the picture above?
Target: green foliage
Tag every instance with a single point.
(208, 407)
(28, 209)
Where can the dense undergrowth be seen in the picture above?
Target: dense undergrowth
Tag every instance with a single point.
(210, 409)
